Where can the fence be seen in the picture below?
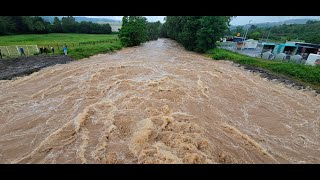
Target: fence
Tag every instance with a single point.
(59, 47)
(13, 51)
(232, 46)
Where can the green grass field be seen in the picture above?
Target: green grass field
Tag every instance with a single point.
(307, 75)
(79, 45)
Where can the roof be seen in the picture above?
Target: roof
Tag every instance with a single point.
(251, 40)
(289, 45)
(307, 46)
(268, 44)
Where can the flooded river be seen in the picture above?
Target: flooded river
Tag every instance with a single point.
(155, 103)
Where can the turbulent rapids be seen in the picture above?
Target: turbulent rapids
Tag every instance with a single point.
(156, 103)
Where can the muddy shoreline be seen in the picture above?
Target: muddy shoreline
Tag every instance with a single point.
(21, 66)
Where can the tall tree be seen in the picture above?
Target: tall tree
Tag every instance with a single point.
(20, 24)
(196, 33)
(239, 29)
(6, 25)
(69, 24)
(40, 26)
(211, 29)
(133, 31)
(37, 25)
(153, 30)
(57, 25)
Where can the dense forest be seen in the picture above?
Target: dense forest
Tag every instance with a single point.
(309, 32)
(196, 33)
(37, 25)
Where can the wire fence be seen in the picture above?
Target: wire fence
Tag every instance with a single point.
(233, 46)
(79, 44)
(29, 50)
(14, 51)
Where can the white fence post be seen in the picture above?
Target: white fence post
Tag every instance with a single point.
(28, 51)
(18, 50)
(8, 50)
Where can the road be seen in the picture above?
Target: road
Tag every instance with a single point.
(156, 103)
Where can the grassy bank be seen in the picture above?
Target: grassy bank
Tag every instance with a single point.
(79, 45)
(308, 75)
(87, 51)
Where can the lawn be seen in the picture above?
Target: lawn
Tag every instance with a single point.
(79, 45)
(308, 75)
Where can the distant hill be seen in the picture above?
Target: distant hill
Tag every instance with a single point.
(95, 20)
(271, 24)
(79, 19)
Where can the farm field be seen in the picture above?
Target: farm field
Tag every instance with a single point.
(79, 45)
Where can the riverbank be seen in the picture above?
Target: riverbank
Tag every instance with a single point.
(21, 66)
(297, 75)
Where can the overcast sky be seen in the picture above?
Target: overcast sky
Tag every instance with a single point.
(239, 20)
(150, 18)
(242, 20)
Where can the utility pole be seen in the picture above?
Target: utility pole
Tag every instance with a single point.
(247, 30)
(245, 36)
(268, 34)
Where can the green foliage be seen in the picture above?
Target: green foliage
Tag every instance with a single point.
(37, 25)
(196, 33)
(308, 32)
(212, 29)
(133, 31)
(69, 24)
(87, 51)
(94, 28)
(255, 35)
(6, 26)
(302, 73)
(239, 29)
(57, 27)
(153, 30)
(163, 31)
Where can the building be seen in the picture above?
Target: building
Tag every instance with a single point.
(268, 47)
(250, 44)
(304, 49)
(238, 39)
(288, 49)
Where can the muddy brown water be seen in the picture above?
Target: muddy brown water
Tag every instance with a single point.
(155, 103)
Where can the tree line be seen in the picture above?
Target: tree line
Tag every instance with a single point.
(308, 32)
(136, 30)
(37, 25)
(195, 33)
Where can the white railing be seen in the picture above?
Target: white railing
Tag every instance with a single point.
(14, 51)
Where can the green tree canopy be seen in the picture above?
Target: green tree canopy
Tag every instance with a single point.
(133, 31)
(153, 30)
(37, 25)
(196, 33)
(57, 25)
